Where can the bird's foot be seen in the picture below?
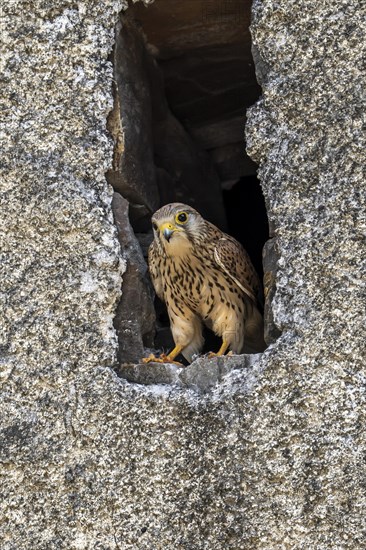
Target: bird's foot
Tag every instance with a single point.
(212, 354)
(161, 359)
(221, 351)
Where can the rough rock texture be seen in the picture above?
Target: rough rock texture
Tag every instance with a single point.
(203, 374)
(61, 264)
(135, 315)
(273, 457)
(270, 262)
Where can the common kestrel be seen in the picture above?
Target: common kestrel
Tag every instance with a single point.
(204, 276)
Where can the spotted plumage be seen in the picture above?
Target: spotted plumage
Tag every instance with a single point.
(203, 276)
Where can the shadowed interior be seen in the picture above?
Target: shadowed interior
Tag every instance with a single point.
(191, 79)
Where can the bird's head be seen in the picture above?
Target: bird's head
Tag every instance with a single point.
(177, 227)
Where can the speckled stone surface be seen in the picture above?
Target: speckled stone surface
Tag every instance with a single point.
(203, 375)
(273, 456)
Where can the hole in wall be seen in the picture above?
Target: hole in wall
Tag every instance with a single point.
(183, 79)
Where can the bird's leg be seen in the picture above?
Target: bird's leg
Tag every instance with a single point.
(165, 358)
(173, 354)
(221, 351)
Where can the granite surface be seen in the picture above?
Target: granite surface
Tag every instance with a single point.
(272, 455)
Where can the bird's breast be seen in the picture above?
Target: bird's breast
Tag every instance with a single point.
(200, 285)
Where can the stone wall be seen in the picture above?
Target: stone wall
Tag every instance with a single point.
(273, 456)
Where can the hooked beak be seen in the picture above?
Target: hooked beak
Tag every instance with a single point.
(168, 233)
(167, 230)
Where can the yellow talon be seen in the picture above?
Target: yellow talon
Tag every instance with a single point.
(164, 358)
(221, 351)
(150, 359)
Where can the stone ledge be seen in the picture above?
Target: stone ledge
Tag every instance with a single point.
(202, 375)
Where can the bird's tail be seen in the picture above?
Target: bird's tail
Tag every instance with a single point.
(194, 347)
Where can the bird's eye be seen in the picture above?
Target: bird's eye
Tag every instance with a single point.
(155, 226)
(181, 217)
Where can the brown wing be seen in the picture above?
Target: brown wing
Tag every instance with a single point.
(235, 262)
(154, 268)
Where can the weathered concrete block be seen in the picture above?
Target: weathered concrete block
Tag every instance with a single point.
(273, 456)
